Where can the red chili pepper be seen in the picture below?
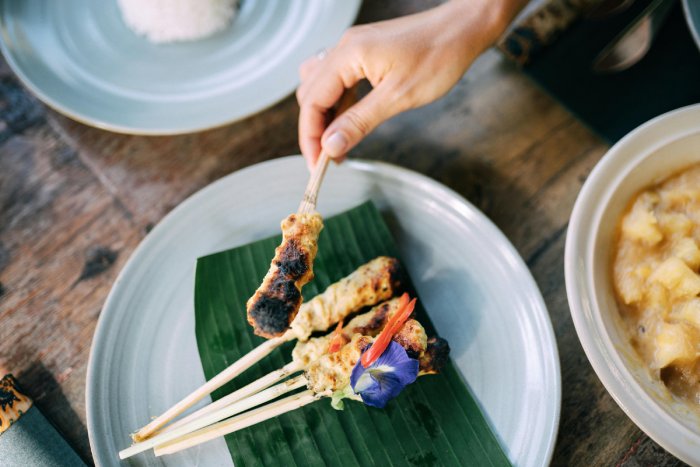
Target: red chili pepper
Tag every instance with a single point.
(337, 341)
(394, 325)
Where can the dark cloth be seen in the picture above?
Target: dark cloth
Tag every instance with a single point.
(667, 78)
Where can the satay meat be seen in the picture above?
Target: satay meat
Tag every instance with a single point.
(435, 357)
(366, 324)
(372, 283)
(276, 302)
(332, 371)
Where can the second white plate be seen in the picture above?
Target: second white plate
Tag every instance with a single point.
(476, 288)
(79, 57)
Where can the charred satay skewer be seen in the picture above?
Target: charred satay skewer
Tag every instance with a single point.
(303, 354)
(325, 372)
(371, 283)
(329, 377)
(274, 305)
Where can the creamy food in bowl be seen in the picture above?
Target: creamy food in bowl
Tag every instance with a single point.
(629, 277)
(655, 273)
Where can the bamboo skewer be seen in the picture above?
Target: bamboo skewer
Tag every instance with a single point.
(239, 422)
(247, 419)
(308, 202)
(215, 416)
(246, 391)
(213, 384)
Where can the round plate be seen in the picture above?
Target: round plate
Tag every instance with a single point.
(80, 58)
(692, 15)
(144, 356)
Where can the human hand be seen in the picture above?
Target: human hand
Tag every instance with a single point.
(409, 61)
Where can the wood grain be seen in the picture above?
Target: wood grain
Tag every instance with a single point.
(75, 201)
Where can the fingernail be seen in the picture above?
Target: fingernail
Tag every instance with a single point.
(336, 144)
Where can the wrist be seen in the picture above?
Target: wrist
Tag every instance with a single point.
(482, 22)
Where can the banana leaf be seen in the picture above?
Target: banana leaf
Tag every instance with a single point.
(434, 421)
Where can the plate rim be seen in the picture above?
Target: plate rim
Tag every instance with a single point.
(130, 130)
(540, 316)
(608, 367)
(694, 29)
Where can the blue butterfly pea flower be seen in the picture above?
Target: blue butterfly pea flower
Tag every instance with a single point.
(385, 378)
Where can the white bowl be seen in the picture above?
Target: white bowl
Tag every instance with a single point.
(645, 156)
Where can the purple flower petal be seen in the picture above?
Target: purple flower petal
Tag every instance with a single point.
(385, 378)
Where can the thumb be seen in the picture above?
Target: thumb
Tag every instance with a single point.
(350, 127)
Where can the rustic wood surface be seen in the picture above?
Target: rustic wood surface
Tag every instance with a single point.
(75, 201)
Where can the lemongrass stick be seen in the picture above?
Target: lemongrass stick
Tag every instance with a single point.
(208, 419)
(238, 423)
(246, 391)
(308, 202)
(213, 384)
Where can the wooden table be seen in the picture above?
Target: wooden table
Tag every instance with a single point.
(76, 201)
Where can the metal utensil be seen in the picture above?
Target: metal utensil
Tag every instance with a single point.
(633, 43)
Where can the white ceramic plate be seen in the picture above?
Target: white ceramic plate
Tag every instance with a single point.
(644, 157)
(80, 58)
(477, 290)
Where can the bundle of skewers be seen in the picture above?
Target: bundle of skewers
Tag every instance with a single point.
(370, 359)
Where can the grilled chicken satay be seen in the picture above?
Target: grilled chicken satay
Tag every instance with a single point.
(327, 373)
(332, 371)
(368, 324)
(434, 359)
(372, 283)
(330, 374)
(276, 302)
(368, 285)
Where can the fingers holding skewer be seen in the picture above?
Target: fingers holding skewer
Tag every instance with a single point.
(308, 203)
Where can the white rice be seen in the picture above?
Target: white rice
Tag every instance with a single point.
(164, 21)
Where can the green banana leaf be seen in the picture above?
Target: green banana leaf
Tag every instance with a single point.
(434, 421)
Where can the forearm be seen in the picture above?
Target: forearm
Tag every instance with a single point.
(480, 23)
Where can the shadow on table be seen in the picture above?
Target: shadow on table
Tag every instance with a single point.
(39, 384)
